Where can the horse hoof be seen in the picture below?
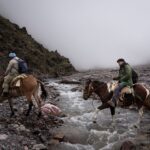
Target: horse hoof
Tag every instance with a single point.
(94, 121)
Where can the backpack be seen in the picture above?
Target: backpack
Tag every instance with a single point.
(134, 76)
(22, 66)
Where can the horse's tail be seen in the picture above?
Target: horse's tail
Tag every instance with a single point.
(44, 93)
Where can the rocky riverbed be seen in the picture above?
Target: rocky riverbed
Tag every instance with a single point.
(74, 129)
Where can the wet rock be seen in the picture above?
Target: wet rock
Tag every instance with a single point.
(74, 135)
(53, 142)
(23, 128)
(113, 138)
(26, 148)
(15, 126)
(21, 110)
(39, 147)
(63, 115)
(59, 137)
(74, 89)
(3, 136)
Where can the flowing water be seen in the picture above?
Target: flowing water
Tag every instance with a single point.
(81, 133)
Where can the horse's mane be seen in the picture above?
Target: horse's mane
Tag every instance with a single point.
(98, 83)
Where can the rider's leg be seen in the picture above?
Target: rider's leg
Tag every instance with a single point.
(7, 80)
(117, 91)
(116, 95)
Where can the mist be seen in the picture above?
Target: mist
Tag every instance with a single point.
(91, 33)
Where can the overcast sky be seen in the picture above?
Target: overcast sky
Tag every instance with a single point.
(91, 33)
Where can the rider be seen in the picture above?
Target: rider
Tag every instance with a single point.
(124, 78)
(11, 72)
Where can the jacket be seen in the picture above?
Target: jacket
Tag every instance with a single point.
(12, 67)
(125, 75)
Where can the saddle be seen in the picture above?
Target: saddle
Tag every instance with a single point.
(126, 90)
(16, 82)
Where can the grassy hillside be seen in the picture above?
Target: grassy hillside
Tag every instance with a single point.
(40, 60)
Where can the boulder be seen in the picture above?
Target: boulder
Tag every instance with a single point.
(3, 137)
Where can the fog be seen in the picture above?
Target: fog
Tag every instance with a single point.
(91, 33)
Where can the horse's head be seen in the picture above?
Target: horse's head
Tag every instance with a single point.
(86, 89)
(91, 87)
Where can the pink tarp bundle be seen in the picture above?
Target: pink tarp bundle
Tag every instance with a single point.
(49, 109)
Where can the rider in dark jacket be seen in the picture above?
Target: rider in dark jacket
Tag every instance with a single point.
(124, 78)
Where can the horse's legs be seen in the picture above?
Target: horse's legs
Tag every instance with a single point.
(103, 106)
(141, 112)
(112, 110)
(29, 98)
(39, 106)
(94, 118)
(30, 108)
(11, 107)
(38, 101)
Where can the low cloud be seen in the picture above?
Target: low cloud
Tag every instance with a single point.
(92, 33)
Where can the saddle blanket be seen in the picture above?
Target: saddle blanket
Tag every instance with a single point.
(16, 82)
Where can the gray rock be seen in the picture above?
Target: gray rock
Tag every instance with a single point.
(23, 128)
(15, 126)
(3, 137)
(39, 147)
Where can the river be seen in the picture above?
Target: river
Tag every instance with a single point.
(79, 130)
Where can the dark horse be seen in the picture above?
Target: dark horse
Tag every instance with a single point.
(29, 87)
(141, 96)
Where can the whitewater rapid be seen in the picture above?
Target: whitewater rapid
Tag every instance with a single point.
(100, 136)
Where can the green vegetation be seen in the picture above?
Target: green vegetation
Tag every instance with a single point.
(40, 60)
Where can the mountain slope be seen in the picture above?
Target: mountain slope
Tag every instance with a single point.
(40, 60)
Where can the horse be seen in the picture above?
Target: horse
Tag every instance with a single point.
(29, 87)
(140, 98)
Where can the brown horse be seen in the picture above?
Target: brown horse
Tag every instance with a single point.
(29, 86)
(141, 96)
